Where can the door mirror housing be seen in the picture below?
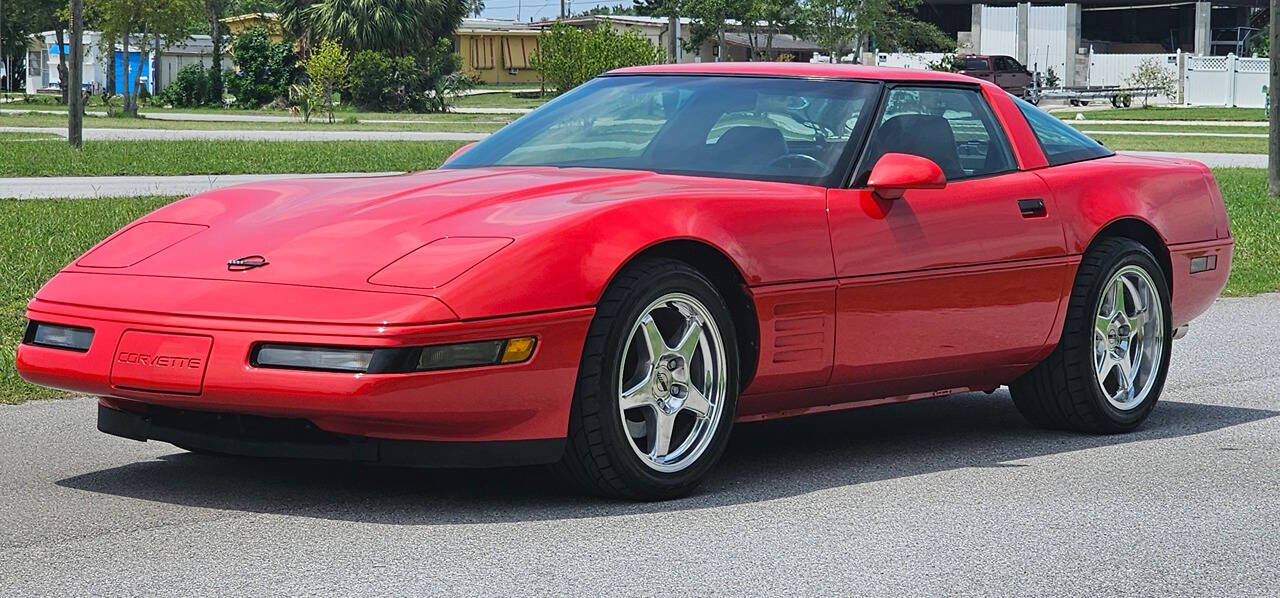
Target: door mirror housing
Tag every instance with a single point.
(894, 174)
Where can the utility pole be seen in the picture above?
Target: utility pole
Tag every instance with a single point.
(1273, 105)
(4, 57)
(562, 9)
(75, 93)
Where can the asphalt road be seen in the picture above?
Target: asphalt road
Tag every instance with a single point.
(953, 496)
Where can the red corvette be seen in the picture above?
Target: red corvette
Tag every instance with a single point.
(614, 280)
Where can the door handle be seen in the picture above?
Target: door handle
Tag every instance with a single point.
(1032, 208)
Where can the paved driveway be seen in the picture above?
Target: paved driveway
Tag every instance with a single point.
(947, 496)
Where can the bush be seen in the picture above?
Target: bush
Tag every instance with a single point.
(570, 56)
(189, 89)
(328, 67)
(1152, 77)
(425, 83)
(264, 70)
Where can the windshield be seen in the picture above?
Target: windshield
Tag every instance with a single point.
(792, 130)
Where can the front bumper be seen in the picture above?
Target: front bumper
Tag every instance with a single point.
(257, 436)
(503, 403)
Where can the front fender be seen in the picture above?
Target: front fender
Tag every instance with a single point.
(773, 233)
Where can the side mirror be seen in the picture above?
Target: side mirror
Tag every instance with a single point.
(894, 173)
(459, 151)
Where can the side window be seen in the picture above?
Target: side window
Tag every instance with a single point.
(1004, 63)
(953, 127)
(1061, 142)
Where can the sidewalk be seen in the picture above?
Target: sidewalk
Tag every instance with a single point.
(253, 135)
(132, 186)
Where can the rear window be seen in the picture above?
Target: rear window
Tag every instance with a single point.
(1062, 143)
(974, 64)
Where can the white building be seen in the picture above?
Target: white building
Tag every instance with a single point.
(43, 58)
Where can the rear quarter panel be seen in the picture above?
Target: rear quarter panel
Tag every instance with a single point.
(1177, 198)
(1173, 197)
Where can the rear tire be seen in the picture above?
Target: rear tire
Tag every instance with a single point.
(1109, 367)
(657, 387)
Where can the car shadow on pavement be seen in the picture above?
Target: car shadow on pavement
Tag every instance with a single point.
(764, 461)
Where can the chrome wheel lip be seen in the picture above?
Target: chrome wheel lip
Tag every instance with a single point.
(1128, 338)
(664, 389)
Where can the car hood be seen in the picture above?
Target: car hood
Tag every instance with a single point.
(338, 232)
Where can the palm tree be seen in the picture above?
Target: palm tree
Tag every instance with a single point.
(394, 26)
(475, 7)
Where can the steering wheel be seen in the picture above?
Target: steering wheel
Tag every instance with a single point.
(791, 160)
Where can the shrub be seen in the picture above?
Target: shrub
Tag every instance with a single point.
(1152, 78)
(189, 89)
(570, 56)
(327, 68)
(424, 83)
(307, 98)
(264, 70)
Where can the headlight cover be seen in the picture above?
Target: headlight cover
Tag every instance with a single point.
(57, 336)
(397, 360)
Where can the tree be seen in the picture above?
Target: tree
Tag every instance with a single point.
(151, 25)
(327, 68)
(711, 21)
(75, 104)
(215, 9)
(857, 25)
(398, 27)
(1273, 108)
(475, 7)
(767, 18)
(569, 56)
(265, 69)
(1152, 78)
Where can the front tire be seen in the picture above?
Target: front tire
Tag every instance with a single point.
(1109, 368)
(657, 388)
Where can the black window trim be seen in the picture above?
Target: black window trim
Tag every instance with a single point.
(1040, 144)
(834, 180)
(850, 183)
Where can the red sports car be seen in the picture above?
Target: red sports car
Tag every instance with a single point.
(613, 281)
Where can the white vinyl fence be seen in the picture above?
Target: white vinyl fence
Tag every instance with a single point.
(1225, 81)
(1113, 69)
(919, 60)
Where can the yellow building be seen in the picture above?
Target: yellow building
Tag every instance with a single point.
(494, 51)
(497, 51)
(271, 21)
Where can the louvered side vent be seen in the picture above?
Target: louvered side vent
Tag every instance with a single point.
(800, 332)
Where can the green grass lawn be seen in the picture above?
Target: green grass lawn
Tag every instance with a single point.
(38, 238)
(1255, 225)
(22, 136)
(472, 125)
(103, 158)
(41, 236)
(1225, 145)
(1208, 127)
(1167, 113)
(498, 100)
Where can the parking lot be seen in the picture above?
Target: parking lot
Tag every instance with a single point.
(947, 496)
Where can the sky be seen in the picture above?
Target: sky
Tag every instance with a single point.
(538, 9)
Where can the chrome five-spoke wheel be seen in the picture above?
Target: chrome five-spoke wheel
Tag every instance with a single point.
(1128, 337)
(1108, 370)
(672, 382)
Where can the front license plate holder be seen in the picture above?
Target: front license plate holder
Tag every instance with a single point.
(161, 362)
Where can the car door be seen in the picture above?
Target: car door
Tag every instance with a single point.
(944, 286)
(1011, 76)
